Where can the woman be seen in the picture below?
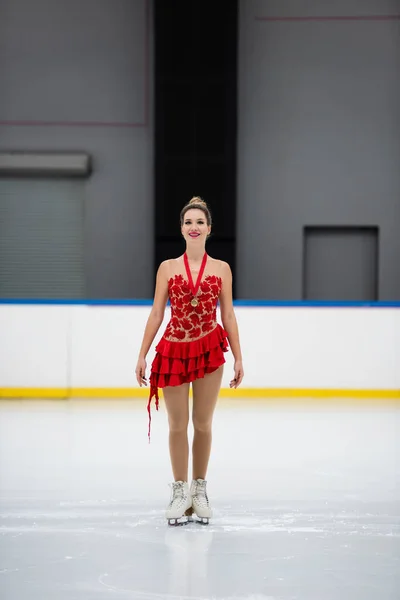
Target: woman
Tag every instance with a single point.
(191, 351)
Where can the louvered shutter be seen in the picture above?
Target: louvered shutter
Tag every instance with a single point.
(41, 238)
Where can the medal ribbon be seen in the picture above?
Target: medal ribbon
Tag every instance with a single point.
(194, 288)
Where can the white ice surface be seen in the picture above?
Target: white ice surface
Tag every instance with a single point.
(306, 500)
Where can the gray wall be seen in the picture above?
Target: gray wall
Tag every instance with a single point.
(75, 75)
(319, 137)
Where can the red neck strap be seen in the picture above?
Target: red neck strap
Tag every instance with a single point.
(194, 288)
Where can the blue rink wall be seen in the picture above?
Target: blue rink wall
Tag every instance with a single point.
(62, 348)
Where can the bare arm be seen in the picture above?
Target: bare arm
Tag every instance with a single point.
(154, 321)
(229, 322)
(156, 316)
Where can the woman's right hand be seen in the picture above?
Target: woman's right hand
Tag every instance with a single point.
(141, 372)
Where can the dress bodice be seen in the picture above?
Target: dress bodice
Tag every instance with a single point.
(189, 323)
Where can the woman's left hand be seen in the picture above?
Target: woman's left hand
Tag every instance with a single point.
(239, 373)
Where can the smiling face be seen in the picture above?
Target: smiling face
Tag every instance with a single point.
(194, 227)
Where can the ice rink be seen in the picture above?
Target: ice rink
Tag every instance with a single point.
(306, 497)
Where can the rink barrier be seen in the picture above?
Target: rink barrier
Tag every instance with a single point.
(64, 348)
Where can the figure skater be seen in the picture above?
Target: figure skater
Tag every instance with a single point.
(191, 351)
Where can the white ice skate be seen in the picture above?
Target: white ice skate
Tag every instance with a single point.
(180, 505)
(200, 503)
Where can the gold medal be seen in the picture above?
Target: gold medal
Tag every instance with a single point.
(194, 302)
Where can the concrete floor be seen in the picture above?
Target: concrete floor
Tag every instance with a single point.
(306, 499)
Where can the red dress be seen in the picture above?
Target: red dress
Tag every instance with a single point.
(193, 343)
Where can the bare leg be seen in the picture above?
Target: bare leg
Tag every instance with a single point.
(205, 395)
(177, 404)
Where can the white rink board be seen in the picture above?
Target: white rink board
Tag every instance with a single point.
(34, 345)
(81, 346)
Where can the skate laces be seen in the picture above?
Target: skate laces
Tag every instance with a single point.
(200, 492)
(178, 493)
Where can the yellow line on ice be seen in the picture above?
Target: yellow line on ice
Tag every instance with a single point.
(240, 393)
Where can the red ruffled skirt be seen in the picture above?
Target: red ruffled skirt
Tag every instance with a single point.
(183, 362)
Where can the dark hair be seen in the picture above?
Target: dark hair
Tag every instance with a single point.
(196, 202)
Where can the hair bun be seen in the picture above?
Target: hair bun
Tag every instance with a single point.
(197, 200)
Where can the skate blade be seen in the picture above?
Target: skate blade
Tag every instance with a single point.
(178, 522)
(202, 520)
